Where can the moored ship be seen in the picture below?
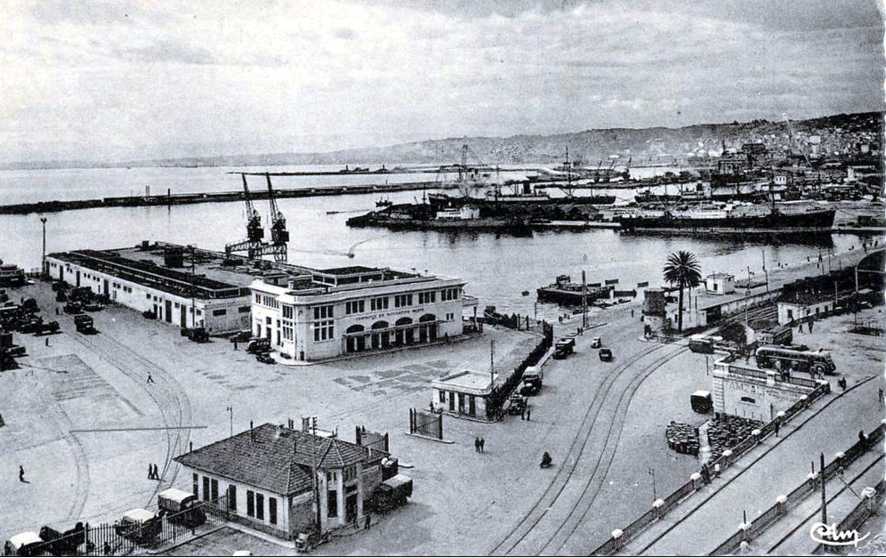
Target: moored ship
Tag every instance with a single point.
(733, 218)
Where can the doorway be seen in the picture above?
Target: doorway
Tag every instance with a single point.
(351, 507)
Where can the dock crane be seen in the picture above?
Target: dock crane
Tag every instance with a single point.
(254, 246)
(279, 233)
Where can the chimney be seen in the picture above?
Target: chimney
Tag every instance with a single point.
(251, 432)
(192, 445)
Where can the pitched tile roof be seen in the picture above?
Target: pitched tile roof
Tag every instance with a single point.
(276, 458)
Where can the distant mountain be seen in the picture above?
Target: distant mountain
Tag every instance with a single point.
(641, 144)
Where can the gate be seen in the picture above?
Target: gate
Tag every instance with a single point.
(424, 423)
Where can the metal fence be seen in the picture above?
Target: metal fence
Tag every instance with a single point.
(128, 538)
(613, 544)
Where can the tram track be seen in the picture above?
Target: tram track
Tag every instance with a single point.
(530, 520)
(166, 393)
(596, 481)
(719, 489)
(805, 521)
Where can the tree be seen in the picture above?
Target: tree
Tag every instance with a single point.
(683, 270)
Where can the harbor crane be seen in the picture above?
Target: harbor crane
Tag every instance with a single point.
(279, 233)
(254, 246)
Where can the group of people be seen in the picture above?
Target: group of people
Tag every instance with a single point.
(153, 471)
(479, 445)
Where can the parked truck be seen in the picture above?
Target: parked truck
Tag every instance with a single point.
(815, 362)
(181, 507)
(84, 324)
(392, 493)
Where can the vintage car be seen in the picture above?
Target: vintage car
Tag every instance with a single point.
(140, 526)
(181, 507)
(24, 544)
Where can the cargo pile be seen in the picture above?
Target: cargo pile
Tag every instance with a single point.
(728, 431)
(682, 438)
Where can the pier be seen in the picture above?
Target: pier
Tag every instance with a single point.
(168, 199)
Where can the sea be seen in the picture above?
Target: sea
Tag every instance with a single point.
(498, 268)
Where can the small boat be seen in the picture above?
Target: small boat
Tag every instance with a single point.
(525, 293)
(384, 203)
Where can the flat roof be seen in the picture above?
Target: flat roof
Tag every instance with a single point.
(468, 381)
(348, 270)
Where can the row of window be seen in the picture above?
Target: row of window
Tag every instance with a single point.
(450, 294)
(405, 300)
(324, 330)
(265, 300)
(323, 312)
(427, 297)
(255, 501)
(355, 307)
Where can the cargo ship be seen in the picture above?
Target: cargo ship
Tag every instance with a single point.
(564, 291)
(790, 217)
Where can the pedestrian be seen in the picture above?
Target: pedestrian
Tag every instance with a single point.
(368, 522)
(156, 472)
(150, 472)
(705, 474)
(476, 444)
(528, 413)
(862, 438)
(21, 474)
(810, 324)
(800, 328)
(842, 383)
(522, 413)
(235, 344)
(47, 341)
(482, 445)
(632, 312)
(880, 395)
(777, 427)
(150, 379)
(56, 311)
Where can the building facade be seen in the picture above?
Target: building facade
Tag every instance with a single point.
(720, 283)
(352, 310)
(174, 296)
(745, 391)
(463, 394)
(264, 477)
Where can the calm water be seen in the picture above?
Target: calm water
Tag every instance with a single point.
(497, 267)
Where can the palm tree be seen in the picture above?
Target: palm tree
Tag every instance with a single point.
(683, 270)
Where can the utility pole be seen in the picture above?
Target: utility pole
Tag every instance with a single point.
(824, 501)
(314, 471)
(765, 273)
(584, 300)
(652, 474)
(492, 361)
(43, 260)
(193, 287)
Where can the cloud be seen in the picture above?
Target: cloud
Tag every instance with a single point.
(273, 75)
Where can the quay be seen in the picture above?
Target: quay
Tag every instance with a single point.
(169, 198)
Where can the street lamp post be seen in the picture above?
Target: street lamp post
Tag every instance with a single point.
(43, 260)
(231, 414)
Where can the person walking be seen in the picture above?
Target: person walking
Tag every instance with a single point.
(21, 474)
(880, 395)
(528, 413)
(150, 472)
(476, 444)
(523, 413)
(47, 341)
(156, 472)
(482, 445)
(777, 427)
(235, 344)
(368, 523)
(150, 379)
(811, 321)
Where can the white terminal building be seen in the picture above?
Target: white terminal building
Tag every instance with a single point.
(323, 314)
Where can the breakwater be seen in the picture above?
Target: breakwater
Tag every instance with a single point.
(169, 198)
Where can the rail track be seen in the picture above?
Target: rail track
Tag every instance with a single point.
(530, 520)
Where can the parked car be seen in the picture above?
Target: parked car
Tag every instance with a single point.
(84, 324)
(24, 544)
(518, 404)
(564, 347)
(150, 314)
(259, 345)
(596, 343)
(73, 307)
(140, 526)
(531, 384)
(605, 355)
(265, 358)
(241, 337)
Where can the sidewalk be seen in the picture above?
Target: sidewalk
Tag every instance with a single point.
(751, 485)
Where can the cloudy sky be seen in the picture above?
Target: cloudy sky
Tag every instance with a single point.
(110, 80)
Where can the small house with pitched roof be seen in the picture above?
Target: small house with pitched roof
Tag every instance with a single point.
(264, 478)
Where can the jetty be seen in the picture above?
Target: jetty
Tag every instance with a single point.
(170, 199)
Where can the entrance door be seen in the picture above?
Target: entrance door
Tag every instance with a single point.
(61, 272)
(184, 316)
(168, 311)
(78, 277)
(461, 403)
(351, 507)
(106, 287)
(472, 406)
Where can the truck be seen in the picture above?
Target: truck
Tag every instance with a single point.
(392, 493)
(564, 347)
(47, 327)
(28, 543)
(196, 334)
(139, 526)
(181, 507)
(815, 362)
(84, 324)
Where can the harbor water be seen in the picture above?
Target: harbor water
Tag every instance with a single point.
(497, 267)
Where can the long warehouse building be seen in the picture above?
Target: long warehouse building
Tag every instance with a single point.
(148, 278)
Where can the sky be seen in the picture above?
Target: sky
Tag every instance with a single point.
(116, 80)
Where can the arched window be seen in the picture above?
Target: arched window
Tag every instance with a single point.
(403, 334)
(355, 343)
